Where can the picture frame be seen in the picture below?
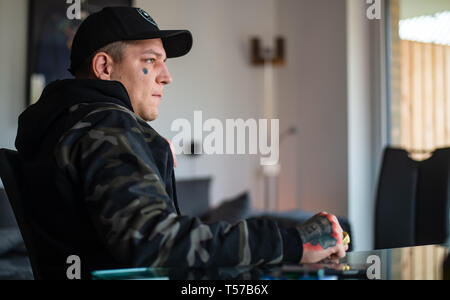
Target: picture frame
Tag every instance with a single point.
(51, 28)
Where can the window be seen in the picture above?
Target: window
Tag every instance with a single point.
(420, 75)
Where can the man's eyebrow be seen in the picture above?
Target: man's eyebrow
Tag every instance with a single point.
(151, 51)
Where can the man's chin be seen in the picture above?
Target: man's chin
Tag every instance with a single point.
(151, 117)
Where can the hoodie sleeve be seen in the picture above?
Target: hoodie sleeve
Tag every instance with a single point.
(108, 155)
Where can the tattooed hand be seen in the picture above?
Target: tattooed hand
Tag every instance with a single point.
(322, 239)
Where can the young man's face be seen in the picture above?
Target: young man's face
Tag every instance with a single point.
(144, 74)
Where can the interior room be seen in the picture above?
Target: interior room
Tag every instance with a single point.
(358, 91)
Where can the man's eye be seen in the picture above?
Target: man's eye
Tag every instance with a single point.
(150, 60)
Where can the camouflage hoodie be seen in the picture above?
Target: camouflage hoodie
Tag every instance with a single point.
(100, 185)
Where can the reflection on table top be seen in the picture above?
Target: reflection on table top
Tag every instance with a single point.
(413, 263)
(422, 262)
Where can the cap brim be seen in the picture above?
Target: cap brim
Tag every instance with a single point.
(176, 42)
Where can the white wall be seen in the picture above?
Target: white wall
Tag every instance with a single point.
(311, 90)
(367, 116)
(333, 90)
(216, 78)
(313, 97)
(359, 122)
(13, 29)
(314, 163)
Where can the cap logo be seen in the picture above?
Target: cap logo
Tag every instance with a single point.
(146, 16)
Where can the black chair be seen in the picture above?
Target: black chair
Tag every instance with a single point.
(395, 205)
(10, 174)
(433, 199)
(412, 204)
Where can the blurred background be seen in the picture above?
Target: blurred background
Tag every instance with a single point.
(348, 87)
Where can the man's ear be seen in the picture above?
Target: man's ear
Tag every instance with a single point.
(102, 65)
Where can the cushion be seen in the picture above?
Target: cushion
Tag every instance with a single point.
(231, 211)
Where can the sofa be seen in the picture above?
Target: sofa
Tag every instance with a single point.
(193, 198)
(14, 262)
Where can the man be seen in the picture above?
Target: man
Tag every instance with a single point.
(100, 180)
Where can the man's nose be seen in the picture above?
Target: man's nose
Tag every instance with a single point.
(164, 76)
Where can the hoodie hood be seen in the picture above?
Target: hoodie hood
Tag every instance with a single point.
(37, 120)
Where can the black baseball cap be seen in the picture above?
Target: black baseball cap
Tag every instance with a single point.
(114, 24)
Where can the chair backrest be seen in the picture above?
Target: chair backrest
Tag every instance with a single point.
(395, 201)
(10, 174)
(413, 200)
(433, 199)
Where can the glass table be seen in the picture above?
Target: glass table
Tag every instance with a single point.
(422, 262)
(412, 263)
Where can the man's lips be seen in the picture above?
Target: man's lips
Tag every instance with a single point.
(157, 96)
